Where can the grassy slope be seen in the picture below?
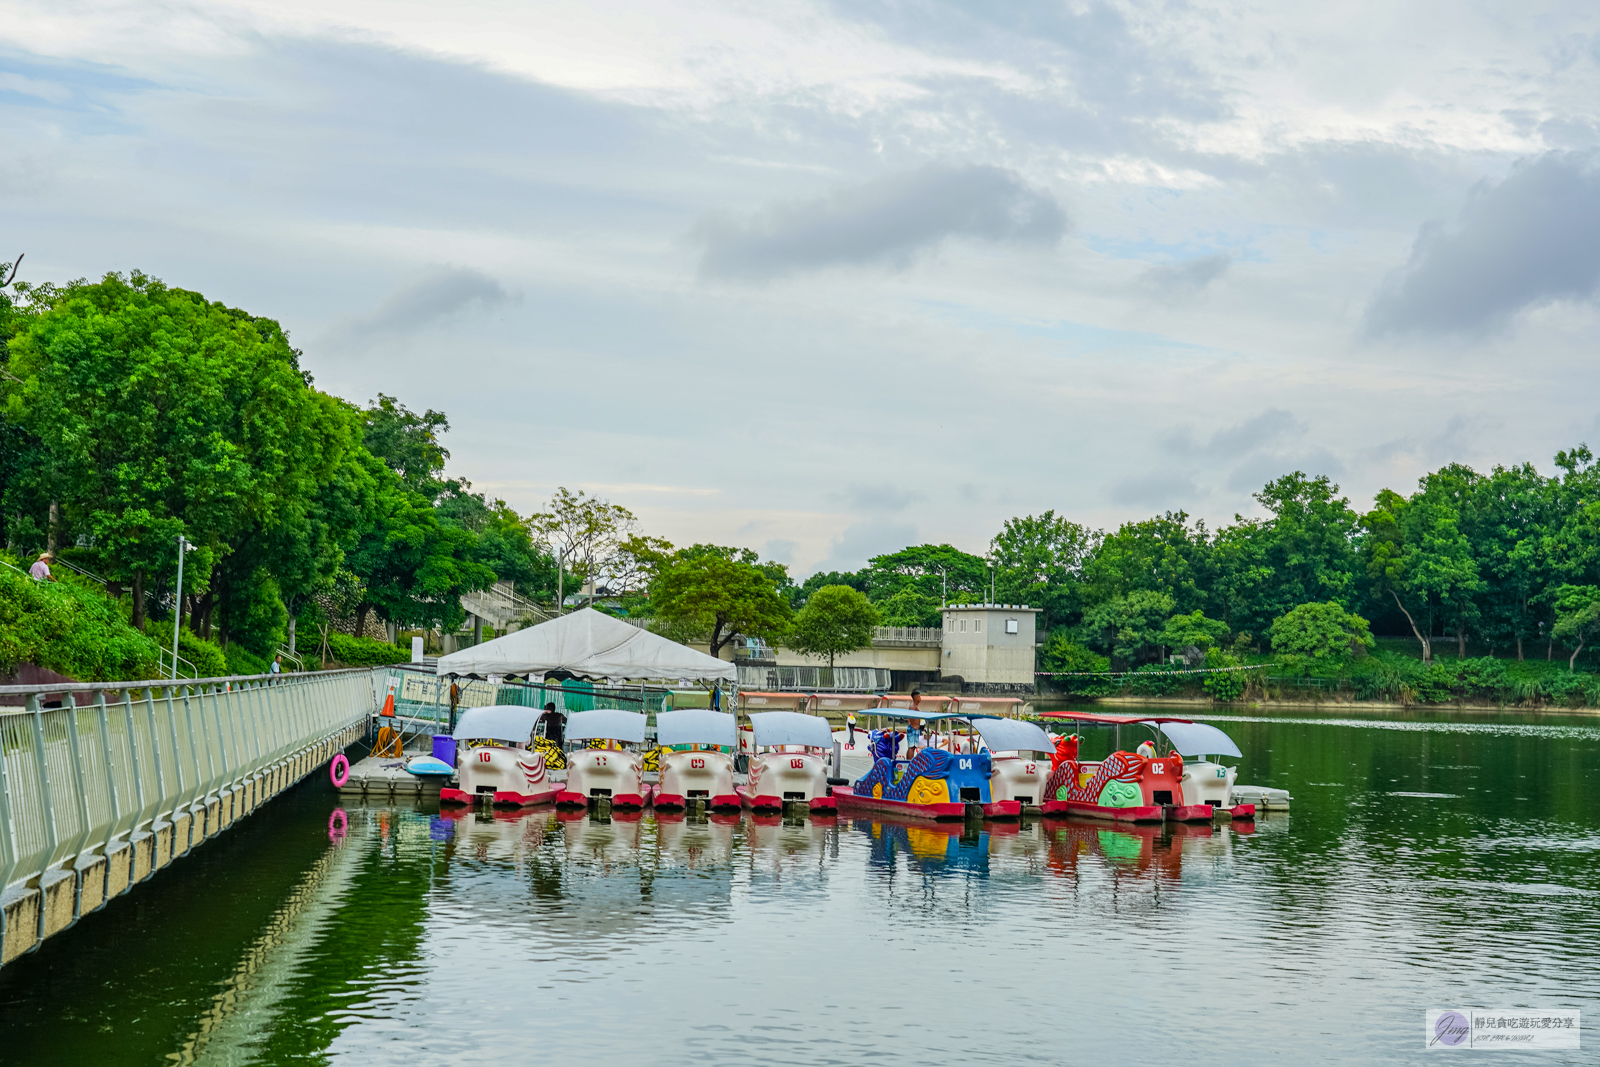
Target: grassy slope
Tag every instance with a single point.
(70, 629)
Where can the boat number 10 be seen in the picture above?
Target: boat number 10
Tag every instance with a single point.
(483, 757)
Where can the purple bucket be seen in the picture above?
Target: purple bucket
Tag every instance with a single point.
(444, 748)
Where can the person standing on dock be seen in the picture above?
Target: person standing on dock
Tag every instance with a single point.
(41, 568)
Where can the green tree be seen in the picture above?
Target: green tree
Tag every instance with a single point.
(935, 571)
(908, 607)
(586, 535)
(1193, 630)
(718, 598)
(1163, 555)
(1039, 562)
(835, 620)
(1577, 617)
(1416, 555)
(162, 413)
(408, 443)
(1061, 654)
(1127, 626)
(1320, 633)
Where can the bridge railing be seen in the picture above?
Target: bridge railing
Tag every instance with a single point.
(121, 757)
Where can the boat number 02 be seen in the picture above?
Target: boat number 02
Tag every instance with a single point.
(1158, 768)
(798, 764)
(698, 764)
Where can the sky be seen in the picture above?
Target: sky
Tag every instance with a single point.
(827, 279)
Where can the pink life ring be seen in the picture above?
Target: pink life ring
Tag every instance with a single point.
(339, 770)
(338, 825)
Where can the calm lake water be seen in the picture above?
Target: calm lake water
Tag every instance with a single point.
(1432, 861)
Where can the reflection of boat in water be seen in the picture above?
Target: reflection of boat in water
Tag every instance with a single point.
(494, 762)
(792, 772)
(611, 774)
(696, 760)
(695, 843)
(594, 839)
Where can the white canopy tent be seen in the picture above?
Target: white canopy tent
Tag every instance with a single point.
(589, 644)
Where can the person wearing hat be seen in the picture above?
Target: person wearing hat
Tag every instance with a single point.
(41, 568)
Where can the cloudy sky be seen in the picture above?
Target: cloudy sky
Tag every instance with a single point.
(827, 279)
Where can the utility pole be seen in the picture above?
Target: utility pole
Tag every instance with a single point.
(177, 602)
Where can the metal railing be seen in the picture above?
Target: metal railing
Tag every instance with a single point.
(914, 636)
(76, 778)
(166, 659)
(833, 680)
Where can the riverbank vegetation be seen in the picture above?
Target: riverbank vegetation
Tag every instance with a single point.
(132, 412)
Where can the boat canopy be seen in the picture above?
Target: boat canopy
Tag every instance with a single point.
(589, 644)
(1198, 739)
(791, 728)
(1110, 720)
(907, 713)
(606, 724)
(695, 726)
(500, 722)
(1013, 735)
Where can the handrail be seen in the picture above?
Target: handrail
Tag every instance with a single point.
(168, 683)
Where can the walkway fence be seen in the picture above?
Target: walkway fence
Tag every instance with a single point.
(116, 760)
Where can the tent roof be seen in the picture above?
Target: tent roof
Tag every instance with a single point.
(502, 722)
(590, 644)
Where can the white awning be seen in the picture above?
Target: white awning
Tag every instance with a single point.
(605, 724)
(791, 728)
(590, 644)
(1197, 739)
(501, 722)
(695, 726)
(1013, 735)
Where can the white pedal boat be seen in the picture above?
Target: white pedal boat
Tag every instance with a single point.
(701, 774)
(789, 757)
(609, 773)
(493, 760)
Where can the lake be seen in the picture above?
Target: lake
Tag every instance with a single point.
(1439, 859)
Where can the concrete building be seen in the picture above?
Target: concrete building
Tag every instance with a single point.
(989, 644)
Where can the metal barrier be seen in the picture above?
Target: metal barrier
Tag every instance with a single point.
(133, 755)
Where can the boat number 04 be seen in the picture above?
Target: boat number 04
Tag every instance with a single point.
(966, 765)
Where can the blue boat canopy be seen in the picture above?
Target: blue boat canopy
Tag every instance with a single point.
(694, 726)
(1013, 735)
(1197, 739)
(791, 728)
(606, 724)
(499, 722)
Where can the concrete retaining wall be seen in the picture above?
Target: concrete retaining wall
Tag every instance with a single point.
(62, 895)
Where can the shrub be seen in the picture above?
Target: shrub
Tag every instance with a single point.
(206, 656)
(364, 651)
(242, 661)
(77, 632)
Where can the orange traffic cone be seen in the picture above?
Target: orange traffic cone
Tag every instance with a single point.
(388, 703)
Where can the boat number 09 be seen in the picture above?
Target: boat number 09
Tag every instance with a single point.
(697, 764)
(797, 764)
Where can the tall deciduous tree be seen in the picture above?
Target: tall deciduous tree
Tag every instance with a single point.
(835, 620)
(1039, 560)
(719, 598)
(586, 534)
(1417, 556)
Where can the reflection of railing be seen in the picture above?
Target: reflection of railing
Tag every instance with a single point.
(141, 757)
(833, 679)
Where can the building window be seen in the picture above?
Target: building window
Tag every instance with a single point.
(963, 625)
(977, 625)
(1011, 626)
(949, 624)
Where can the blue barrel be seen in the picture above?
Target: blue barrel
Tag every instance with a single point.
(444, 748)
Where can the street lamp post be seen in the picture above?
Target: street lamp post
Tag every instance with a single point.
(184, 547)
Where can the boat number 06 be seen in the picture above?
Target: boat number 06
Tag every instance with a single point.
(798, 764)
(697, 764)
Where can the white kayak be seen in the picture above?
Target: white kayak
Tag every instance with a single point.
(428, 767)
